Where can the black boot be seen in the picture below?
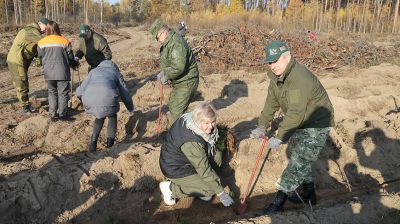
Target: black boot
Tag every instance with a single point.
(110, 142)
(276, 205)
(307, 195)
(93, 143)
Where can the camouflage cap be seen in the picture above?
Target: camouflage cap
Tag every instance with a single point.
(155, 27)
(274, 50)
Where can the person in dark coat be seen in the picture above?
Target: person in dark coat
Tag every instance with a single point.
(100, 94)
(56, 54)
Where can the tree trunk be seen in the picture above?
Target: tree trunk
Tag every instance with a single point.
(396, 14)
(86, 11)
(337, 15)
(20, 11)
(73, 10)
(101, 11)
(16, 11)
(6, 8)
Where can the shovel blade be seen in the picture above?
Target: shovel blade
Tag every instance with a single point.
(241, 209)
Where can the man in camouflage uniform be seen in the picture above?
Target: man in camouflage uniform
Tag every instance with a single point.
(93, 46)
(306, 125)
(19, 58)
(178, 67)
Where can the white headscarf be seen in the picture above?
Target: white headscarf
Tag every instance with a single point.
(211, 138)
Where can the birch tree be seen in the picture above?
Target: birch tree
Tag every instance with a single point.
(396, 14)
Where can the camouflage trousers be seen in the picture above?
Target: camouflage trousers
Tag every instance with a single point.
(304, 148)
(19, 78)
(180, 98)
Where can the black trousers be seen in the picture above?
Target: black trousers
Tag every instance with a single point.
(111, 128)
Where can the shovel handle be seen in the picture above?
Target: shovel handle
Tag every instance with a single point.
(265, 140)
(159, 109)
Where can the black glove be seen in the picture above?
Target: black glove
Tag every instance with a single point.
(79, 54)
(74, 64)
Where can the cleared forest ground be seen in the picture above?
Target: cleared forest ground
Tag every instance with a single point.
(46, 176)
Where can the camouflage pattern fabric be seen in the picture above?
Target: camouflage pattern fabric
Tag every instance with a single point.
(305, 146)
(20, 82)
(180, 98)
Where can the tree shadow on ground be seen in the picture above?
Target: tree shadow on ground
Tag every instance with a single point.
(230, 94)
(55, 188)
(122, 205)
(378, 152)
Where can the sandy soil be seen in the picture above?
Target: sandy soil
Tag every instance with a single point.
(46, 175)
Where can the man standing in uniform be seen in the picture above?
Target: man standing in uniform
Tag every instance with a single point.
(20, 57)
(306, 125)
(93, 46)
(178, 67)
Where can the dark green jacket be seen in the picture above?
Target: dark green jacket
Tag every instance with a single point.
(177, 59)
(24, 47)
(95, 49)
(301, 97)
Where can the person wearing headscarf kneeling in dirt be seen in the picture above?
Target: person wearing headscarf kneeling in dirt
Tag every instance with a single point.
(308, 119)
(56, 54)
(178, 67)
(100, 93)
(189, 157)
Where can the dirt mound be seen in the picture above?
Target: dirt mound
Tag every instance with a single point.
(32, 129)
(246, 45)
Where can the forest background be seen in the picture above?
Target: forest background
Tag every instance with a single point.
(352, 16)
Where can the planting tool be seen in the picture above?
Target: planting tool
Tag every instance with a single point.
(241, 209)
(159, 109)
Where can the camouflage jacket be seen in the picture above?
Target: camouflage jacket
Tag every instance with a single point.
(177, 59)
(301, 97)
(95, 49)
(24, 47)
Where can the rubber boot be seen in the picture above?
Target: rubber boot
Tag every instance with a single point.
(276, 205)
(307, 195)
(110, 142)
(93, 143)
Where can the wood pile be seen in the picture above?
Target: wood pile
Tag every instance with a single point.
(242, 47)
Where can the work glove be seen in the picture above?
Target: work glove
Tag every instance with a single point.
(78, 55)
(257, 133)
(161, 78)
(75, 64)
(182, 28)
(274, 143)
(225, 199)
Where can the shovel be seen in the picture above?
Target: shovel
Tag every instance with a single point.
(160, 110)
(241, 209)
